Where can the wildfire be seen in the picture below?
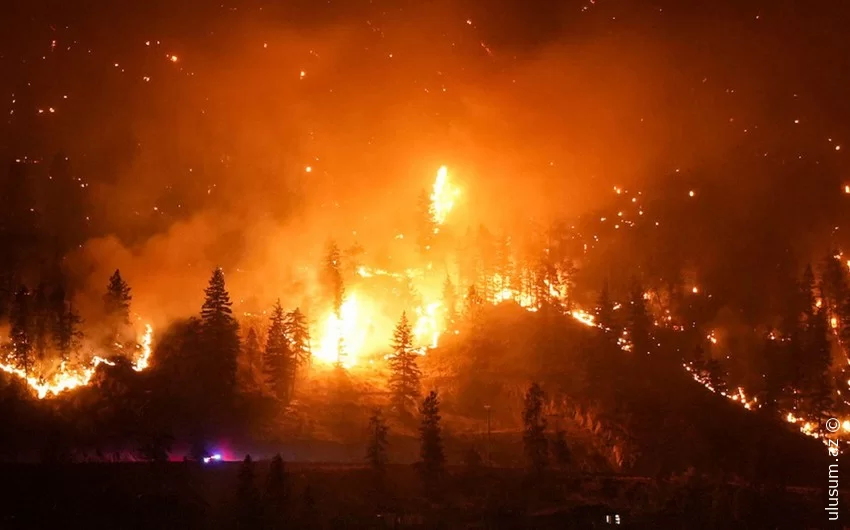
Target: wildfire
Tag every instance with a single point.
(68, 379)
(584, 317)
(443, 197)
(343, 335)
(427, 326)
(144, 359)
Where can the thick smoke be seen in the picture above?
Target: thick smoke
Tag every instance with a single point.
(219, 142)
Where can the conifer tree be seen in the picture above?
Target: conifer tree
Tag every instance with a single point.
(376, 452)
(534, 433)
(20, 333)
(473, 304)
(775, 372)
(333, 273)
(834, 282)
(298, 333)
(431, 440)
(426, 227)
(116, 307)
(253, 353)
(336, 288)
(220, 337)
(561, 449)
(278, 362)
(405, 374)
(40, 322)
(67, 337)
(247, 496)
(807, 294)
(605, 311)
(276, 498)
(640, 324)
(449, 301)
(567, 275)
(817, 364)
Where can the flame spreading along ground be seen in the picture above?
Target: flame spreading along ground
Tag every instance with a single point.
(67, 379)
(361, 326)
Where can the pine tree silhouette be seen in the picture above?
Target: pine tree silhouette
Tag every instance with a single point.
(405, 374)
(278, 361)
(20, 331)
(376, 452)
(116, 308)
(276, 498)
(534, 433)
(220, 340)
(431, 443)
(247, 496)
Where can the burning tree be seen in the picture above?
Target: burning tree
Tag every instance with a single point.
(404, 379)
(278, 362)
(449, 302)
(472, 304)
(336, 288)
(219, 337)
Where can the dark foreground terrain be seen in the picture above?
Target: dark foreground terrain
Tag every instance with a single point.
(228, 495)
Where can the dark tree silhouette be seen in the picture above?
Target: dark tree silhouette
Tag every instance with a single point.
(405, 374)
(116, 309)
(20, 333)
(40, 322)
(639, 322)
(376, 452)
(276, 497)
(817, 364)
(247, 497)
(561, 450)
(278, 362)
(66, 334)
(156, 447)
(220, 340)
(336, 289)
(605, 312)
(252, 350)
(534, 432)
(833, 282)
(298, 333)
(431, 442)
